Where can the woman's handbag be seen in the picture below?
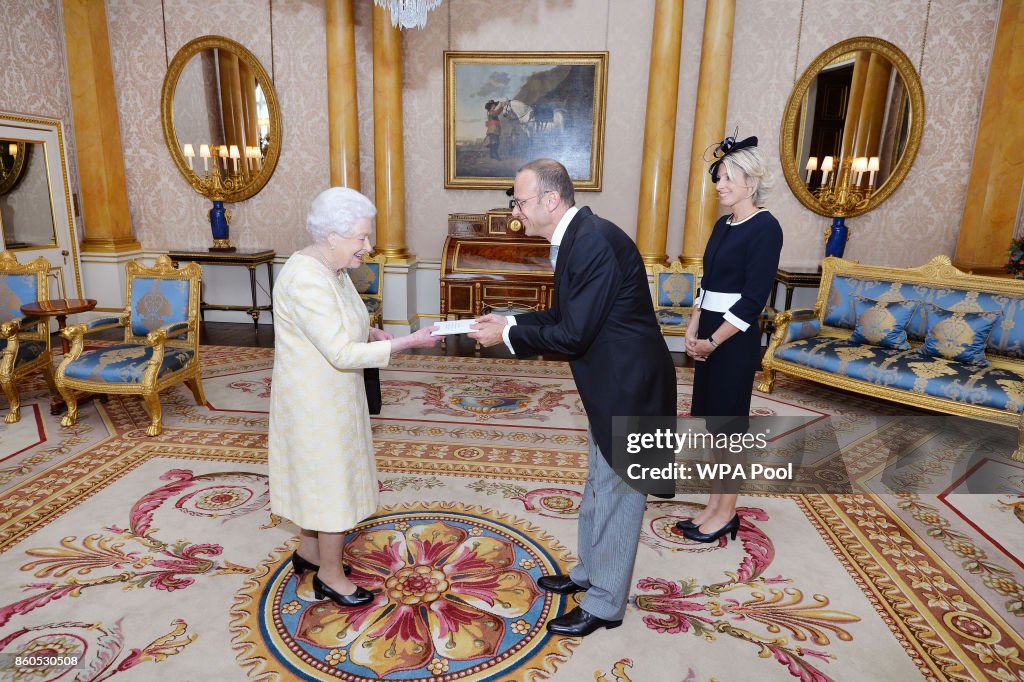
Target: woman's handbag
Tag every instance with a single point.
(371, 378)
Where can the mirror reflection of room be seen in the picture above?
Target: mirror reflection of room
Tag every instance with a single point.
(26, 207)
(221, 116)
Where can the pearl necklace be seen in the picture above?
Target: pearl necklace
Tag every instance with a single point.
(318, 254)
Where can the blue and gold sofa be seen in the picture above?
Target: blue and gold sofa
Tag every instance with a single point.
(932, 337)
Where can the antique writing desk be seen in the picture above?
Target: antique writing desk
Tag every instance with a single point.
(247, 259)
(489, 264)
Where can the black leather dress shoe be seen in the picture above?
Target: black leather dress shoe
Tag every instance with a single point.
(579, 623)
(560, 584)
(301, 565)
(324, 591)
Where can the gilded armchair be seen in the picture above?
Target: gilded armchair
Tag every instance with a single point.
(675, 288)
(24, 341)
(368, 279)
(161, 342)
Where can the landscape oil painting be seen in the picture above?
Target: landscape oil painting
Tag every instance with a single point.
(503, 109)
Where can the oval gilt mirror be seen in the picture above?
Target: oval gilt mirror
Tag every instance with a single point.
(221, 118)
(852, 127)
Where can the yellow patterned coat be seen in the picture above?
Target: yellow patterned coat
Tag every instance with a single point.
(320, 450)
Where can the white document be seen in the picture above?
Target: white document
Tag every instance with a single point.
(453, 327)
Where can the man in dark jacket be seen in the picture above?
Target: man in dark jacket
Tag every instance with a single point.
(603, 319)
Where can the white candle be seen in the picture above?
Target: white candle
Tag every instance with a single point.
(222, 152)
(826, 168)
(235, 156)
(872, 169)
(190, 153)
(204, 153)
(12, 149)
(812, 165)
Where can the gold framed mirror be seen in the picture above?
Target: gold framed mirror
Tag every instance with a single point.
(852, 127)
(221, 119)
(12, 162)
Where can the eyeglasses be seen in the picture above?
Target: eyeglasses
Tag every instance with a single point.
(518, 203)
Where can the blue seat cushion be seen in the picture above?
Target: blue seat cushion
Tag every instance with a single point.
(672, 318)
(909, 370)
(124, 363)
(27, 351)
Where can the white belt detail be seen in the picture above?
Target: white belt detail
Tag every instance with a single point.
(716, 301)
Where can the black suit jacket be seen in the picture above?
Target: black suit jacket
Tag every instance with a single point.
(603, 319)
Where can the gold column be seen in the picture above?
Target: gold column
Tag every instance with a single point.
(872, 109)
(659, 131)
(342, 105)
(388, 158)
(708, 125)
(853, 106)
(108, 226)
(993, 190)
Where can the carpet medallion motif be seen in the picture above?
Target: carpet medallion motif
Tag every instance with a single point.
(456, 596)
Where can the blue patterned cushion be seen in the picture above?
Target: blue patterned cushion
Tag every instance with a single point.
(675, 289)
(27, 351)
(366, 278)
(998, 388)
(958, 336)
(672, 318)
(157, 302)
(882, 324)
(16, 291)
(802, 329)
(124, 363)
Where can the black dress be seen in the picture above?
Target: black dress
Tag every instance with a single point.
(739, 259)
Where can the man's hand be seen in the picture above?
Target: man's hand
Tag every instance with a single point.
(488, 330)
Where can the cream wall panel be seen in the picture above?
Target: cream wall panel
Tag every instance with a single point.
(167, 214)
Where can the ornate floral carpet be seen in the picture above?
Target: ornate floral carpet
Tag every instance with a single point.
(157, 558)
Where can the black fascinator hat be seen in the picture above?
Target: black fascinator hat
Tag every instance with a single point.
(724, 149)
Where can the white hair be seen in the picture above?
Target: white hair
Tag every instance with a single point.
(337, 210)
(750, 161)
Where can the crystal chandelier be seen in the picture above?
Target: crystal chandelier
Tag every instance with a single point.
(408, 13)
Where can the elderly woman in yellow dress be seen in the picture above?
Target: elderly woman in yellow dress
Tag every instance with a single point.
(321, 458)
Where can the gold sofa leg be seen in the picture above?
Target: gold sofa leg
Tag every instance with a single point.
(767, 385)
(1018, 454)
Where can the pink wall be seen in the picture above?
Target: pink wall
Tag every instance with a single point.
(167, 214)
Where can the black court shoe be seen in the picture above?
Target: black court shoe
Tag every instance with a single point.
(686, 524)
(300, 565)
(731, 528)
(324, 591)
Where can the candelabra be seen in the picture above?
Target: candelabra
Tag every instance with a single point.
(215, 186)
(844, 195)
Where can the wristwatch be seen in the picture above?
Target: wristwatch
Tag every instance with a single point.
(711, 340)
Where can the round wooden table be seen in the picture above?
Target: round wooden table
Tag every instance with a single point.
(59, 308)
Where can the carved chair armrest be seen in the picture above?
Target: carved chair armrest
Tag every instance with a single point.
(796, 324)
(10, 328)
(168, 331)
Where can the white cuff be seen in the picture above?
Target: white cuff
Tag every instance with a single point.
(504, 333)
(735, 321)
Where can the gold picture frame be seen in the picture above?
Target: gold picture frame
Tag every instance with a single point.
(503, 109)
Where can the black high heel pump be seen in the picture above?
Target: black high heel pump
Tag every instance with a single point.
(730, 528)
(324, 591)
(686, 524)
(301, 565)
